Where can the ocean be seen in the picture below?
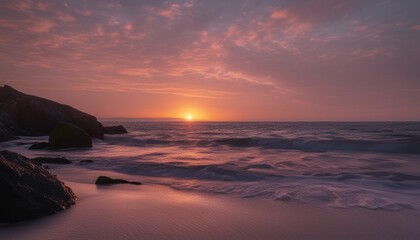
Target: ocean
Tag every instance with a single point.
(373, 165)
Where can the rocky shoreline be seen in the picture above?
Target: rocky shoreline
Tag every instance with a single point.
(27, 189)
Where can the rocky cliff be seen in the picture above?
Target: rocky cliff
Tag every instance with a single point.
(22, 114)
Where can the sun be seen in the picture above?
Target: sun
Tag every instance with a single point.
(188, 117)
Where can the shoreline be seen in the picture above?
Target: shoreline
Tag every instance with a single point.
(160, 212)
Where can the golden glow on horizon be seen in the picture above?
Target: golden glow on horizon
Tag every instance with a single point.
(189, 113)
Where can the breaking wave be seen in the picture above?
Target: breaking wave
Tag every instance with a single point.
(367, 189)
(406, 145)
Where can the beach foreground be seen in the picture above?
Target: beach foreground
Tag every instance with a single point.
(159, 212)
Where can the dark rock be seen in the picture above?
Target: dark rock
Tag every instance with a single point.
(6, 134)
(103, 180)
(7, 126)
(22, 114)
(28, 191)
(86, 161)
(120, 129)
(66, 135)
(60, 160)
(41, 145)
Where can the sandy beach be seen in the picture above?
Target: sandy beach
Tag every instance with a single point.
(159, 212)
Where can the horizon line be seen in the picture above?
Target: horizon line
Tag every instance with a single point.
(175, 119)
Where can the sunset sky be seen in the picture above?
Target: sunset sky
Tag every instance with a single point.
(218, 59)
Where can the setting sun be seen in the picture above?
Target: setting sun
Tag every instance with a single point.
(188, 117)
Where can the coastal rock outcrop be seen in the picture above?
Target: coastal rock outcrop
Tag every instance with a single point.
(28, 191)
(7, 127)
(5, 133)
(66, 135)
(103, 180)
(40, 145)
(58, 160)
(22, 114)
(120, 129)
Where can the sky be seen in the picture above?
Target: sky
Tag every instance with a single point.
(284, 60)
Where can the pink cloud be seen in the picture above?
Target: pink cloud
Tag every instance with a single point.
(99, 31)
(366, 53)
(289, 22)
(113, 21)
(114, 5)
(41, 26)
(128, 26)
(36, 25)
(139, 72)
(41, 6)
(83, 12)
(26, 5)
(320, 11)
(169, 89)
(58, 41)
(7, 24)
(173, 11)
(416, 27)
(280, 14)
(64, 17)
(22, 5)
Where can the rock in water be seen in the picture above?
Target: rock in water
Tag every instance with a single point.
(120, 129)
(58, 160)
(28, 191)
(103, 180)
(40, 145)
(86, 161)
(24, 114)
(66, 135)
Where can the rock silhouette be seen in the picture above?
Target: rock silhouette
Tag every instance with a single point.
(66, 135)
(103, 180)
(120, 129)
(26, 115)
(28, 191)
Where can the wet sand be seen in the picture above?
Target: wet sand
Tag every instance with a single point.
(158, 212)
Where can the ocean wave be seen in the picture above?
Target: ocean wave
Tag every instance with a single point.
(250, 172)
(221, 172)
(342, 197)
(385, 190)
(406, 145)
(375, 175)
(309, 192)
(409, 145)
